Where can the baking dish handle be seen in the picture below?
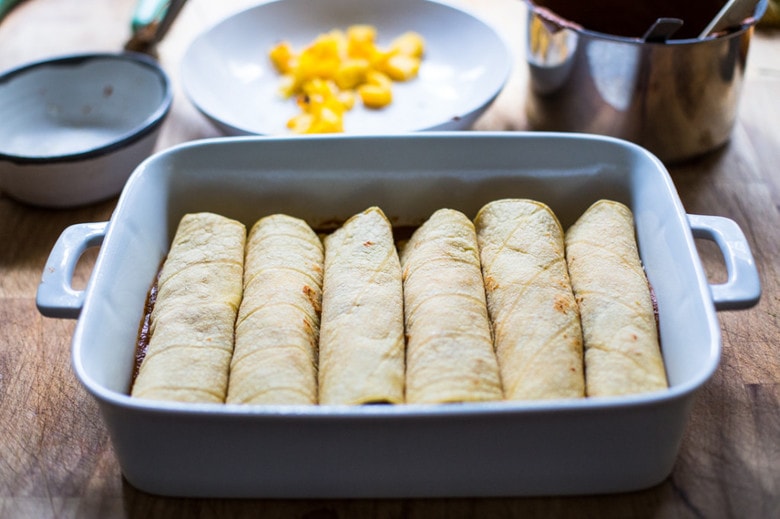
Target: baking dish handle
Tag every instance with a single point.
(742, 289)
(56, 296)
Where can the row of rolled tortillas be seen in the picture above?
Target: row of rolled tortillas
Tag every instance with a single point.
(506, 306)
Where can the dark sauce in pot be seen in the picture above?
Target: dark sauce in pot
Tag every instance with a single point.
(632, 19)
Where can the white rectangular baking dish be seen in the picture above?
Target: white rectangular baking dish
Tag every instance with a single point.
(478, 449)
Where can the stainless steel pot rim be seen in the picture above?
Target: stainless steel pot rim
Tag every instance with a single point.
(562, 23)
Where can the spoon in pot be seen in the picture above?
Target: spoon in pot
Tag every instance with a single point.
(732, 14)
(661, 30)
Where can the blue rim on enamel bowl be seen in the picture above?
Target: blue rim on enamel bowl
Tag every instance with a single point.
(121, 140)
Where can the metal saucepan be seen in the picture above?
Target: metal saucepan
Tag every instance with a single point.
(592, 69)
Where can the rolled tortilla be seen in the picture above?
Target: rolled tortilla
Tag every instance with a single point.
(449, 352)
(536, 322)
(274, 361)
(361, 336)
(191, 324)
(622, 352)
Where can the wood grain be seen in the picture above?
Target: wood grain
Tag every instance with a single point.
(56, 459)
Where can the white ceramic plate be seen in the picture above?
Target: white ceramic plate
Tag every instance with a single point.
(228, 76)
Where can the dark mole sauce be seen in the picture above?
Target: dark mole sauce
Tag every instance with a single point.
(144, 329)
(654, 300)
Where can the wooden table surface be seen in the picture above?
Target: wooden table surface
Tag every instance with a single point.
(56, 459)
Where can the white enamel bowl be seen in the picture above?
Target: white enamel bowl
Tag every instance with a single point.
(228, 76)
(75, 127)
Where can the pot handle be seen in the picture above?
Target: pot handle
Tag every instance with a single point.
(56, 296)
(742, 289)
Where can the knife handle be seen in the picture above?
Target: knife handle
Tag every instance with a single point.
(6, 6)
(151, 21)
